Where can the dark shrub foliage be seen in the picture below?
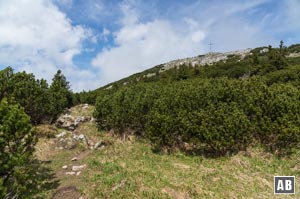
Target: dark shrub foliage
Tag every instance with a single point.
(218, 115)
(17, 140)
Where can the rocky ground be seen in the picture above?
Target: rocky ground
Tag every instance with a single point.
(66, 144)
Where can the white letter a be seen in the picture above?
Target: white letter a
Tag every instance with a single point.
(280, 185)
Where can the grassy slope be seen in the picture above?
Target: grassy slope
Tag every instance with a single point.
(129, 169)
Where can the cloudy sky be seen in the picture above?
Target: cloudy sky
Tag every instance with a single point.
(95, 42)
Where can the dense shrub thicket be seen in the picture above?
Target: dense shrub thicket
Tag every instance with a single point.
(217, 109)
(216, 115)
(17, 140)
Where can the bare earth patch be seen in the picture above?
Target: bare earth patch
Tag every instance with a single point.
(68, 192)
(175, 194)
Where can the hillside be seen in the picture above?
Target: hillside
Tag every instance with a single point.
(201, 60)
(130, 169)
(209, 59)
(235, 64)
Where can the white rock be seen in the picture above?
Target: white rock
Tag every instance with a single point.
(78, 173)
(62, 134)
(85, 106)
(74, 159)
(78, 120)
(81, 137)
(78, 168)
(70, 173)
(209, 59)
(65, 167)
(98, 145)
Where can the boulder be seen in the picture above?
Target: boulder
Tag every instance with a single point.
(66, 121)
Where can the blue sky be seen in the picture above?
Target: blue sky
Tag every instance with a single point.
(95, 42)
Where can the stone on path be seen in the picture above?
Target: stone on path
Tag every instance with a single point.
(78, 168)
(74, 159)
(70, 173)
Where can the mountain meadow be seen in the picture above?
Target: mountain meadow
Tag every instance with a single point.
(220, 125)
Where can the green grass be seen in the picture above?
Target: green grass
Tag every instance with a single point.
(144, 174)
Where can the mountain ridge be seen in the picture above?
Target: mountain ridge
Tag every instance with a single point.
(201, 60)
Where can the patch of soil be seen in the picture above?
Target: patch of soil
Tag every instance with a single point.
(175, 194)
(68, 192)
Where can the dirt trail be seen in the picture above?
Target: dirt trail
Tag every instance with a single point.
(67, 144)
(67, 192)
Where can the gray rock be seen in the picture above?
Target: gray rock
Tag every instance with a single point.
(208, 59)
(264, 50)
(294, 54)
(79, 120)
(99, 145)
(79, 168)
(62, 134)
(81, 137)
(102, 144)
(74, 159)
(85, 106)
(67, 143)
(70, 173)
(66, 121)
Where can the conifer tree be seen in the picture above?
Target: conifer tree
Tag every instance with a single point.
(60, 93)
(5, 76)
(17, 140)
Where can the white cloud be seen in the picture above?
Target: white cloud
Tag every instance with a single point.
(37, 37)
(143, 45)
